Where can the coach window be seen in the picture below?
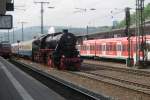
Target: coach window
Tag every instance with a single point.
(148, 46)
(134, 47)
(114, 47)
(118, 47)
(110, 48)
(107, 47)
(91, 47)
(88, 47)
(81, 47)
(100, 47)
(123, 47)
(103, 47)
(97, 47)
(84, 47)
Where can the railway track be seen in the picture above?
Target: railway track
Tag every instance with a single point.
(119, 80)
(124, 70)
(109, 83)
(134, 86)
(143, 88)
(60, 86)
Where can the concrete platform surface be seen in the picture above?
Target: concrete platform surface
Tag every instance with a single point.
(17, 85)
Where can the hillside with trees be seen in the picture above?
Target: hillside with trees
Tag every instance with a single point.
(121, 24)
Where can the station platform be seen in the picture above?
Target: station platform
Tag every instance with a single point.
(17, 85)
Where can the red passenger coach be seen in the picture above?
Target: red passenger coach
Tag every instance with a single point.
(114, 48)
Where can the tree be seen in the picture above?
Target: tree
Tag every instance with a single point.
(121, 24)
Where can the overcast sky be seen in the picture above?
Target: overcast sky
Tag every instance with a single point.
(64, 12)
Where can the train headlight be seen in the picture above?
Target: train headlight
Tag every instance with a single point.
(63, 56)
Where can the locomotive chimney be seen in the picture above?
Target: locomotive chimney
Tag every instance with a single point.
(65, 30)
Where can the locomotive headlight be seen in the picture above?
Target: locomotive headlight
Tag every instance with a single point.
(63, 56)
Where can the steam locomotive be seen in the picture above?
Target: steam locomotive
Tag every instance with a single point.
(56, 50)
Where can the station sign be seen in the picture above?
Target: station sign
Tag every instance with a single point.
(2, 7)
(6, 21)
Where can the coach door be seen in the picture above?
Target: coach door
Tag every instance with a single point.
(119, 49)
(103, 49)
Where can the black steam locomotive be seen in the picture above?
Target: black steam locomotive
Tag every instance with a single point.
(57, 50)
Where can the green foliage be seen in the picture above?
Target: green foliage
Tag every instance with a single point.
(147, 11)
(122, 23)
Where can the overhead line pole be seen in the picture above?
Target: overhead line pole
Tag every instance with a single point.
(14, 34)
(42, 11)
(8, 36)
(127, 12)
(140, 27)
(22, 24)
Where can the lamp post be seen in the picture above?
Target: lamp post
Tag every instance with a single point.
(127, 13)
(42, 12)
(14, 34)
(22, 24)
(1, 38)
(85, 10)
(18, 41)
(8, 36)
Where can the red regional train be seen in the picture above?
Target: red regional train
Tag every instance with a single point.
(113, 48)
